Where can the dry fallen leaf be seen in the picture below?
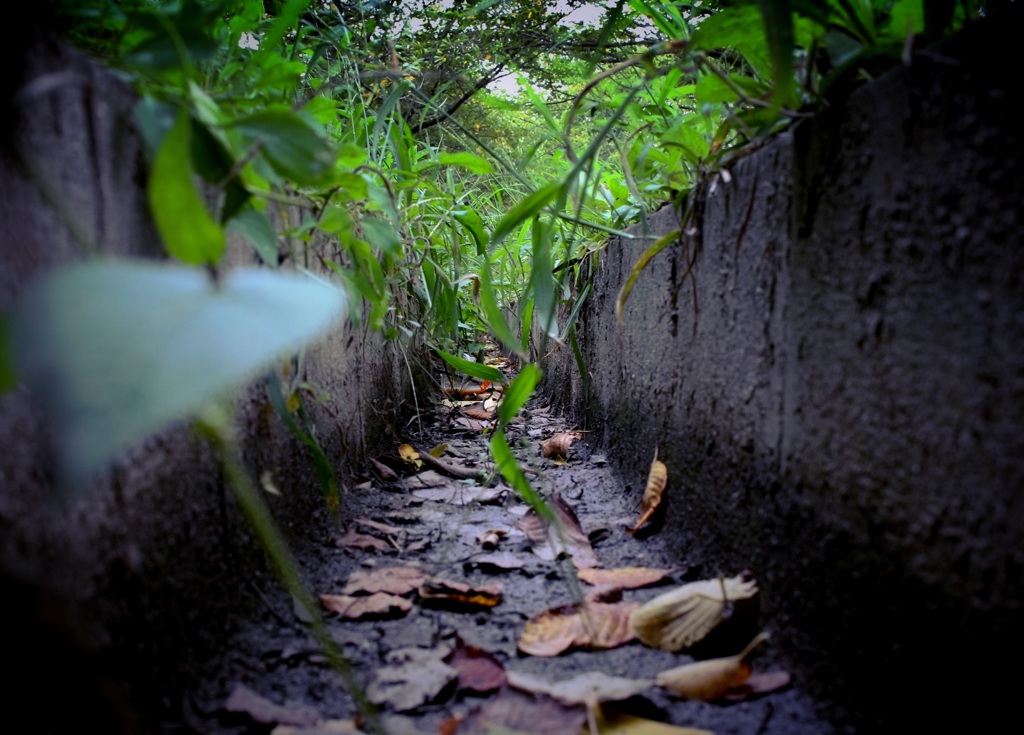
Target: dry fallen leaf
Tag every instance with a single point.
(546, 540)
(244, 700)
(679, 618)
(327, 727)
(491, 538)
(352, 539)
(377, 526)
(478, 412)
(413, 677)
(393, 580)
(470, 389)
(518, 713)
(444, 593)
(501, 561)
(613, 722)
(626, 578)
(589, 688)
(709, 679)
(383, 471)
(377, 605)
(590, 625)
(479, 671)
(558, 446)
(410, 455)
(469, 424)
(657, 478)
(459, 494)
(756, 685)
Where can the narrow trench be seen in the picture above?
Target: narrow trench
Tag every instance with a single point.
(437, 664)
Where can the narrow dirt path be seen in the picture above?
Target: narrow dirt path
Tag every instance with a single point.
(431, 581)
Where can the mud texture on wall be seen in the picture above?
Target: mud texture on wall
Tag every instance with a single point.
(832, 366)
(136, 579)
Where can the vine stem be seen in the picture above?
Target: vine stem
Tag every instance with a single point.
(256, 512)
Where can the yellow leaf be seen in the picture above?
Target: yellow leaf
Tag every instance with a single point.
(679, 618)
(657, 478)
(410, 455)
(613, 722)
(709, 679)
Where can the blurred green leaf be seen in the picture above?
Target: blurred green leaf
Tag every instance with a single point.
(290, 145)
(188, 231)
(472, 221)
(117, 350)
(686, 137)
(518, 393)
(528, 207)
(740, 28)
(542, 281)
(255, 228)
(473, 369)
(464, 159)
(381, 235)
(8, 373)
(494, 315)
(778, 25)
(513, 473)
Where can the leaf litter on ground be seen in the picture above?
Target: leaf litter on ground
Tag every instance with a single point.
(410, 672)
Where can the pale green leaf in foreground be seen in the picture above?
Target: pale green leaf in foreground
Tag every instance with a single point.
(117, 350)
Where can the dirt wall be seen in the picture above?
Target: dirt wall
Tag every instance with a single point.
(137, 578)
(831, 366)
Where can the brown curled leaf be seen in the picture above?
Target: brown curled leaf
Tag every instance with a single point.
(710, 679)
(590, 625)
(377, 605)
(393, 580)
(546, 540)
(458, 596)
(557, 447)
(625, 578)
(657, 478)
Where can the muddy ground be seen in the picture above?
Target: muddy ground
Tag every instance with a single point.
(432, 521)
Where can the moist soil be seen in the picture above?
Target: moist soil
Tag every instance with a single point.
(428, 519)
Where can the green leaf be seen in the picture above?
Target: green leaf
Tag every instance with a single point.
(778, 26)
(528, 207)
(683, 135)
(464, 159)
(290, 145)
(324, 469)
(255, 228)
(907, 17)
(542, 279)
(740, 28)
(188, 231)
(656, 247)
(494, 315)
(287, 19)
(518, 393)
(472, 221)
(116, 350)
(381, 235)
(8, 373)
(473, 369)
(527, 321)
(512, 472)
